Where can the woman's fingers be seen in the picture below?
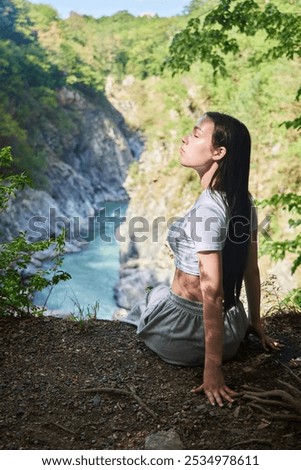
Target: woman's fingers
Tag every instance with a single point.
(214, 397)
(271, 343)
(230, 391)
(227, 394)
(198, 389)
(217, 396)
(275, 345)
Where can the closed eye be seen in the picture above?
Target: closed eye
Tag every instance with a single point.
(196, 131)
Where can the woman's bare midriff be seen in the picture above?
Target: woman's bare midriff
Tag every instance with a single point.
(187, 286)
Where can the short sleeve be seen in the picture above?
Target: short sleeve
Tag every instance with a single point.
(208, 223)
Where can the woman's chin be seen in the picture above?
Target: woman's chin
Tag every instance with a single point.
(183, 163)
(182, 160)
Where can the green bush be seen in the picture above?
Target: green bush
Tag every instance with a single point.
(279, 249)
(16, 290)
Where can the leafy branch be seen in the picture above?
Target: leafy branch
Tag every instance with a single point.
(17, 289)
(210, 39)
(277, 250)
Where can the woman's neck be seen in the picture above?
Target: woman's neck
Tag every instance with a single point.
(206, 177)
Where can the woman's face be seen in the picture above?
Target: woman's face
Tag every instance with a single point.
(197, 151)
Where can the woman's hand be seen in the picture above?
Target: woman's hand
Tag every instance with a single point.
(266, 341)
(214, 387)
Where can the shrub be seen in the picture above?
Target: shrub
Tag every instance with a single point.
(16, 290)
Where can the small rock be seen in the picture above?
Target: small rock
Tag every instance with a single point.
(201, 408)
(164, 440)
(120, 313)
(96, 400)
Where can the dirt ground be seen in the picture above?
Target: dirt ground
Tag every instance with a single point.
(48, 366)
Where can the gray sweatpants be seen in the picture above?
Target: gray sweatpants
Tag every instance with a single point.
(173, 327)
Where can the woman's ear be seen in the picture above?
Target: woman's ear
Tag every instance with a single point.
(219, 153)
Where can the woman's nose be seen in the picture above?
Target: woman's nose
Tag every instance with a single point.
(185, 139)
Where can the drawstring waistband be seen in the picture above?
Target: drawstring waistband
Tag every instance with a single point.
(191, 305)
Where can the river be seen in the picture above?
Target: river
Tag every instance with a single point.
(94, 270)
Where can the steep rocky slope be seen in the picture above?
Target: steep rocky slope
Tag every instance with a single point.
(86, 165)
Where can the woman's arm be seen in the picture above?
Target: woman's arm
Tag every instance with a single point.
(252, 286)
(212, 294)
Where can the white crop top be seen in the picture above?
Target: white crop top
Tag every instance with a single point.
(203, 228)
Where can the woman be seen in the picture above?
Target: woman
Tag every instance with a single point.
(201, 320)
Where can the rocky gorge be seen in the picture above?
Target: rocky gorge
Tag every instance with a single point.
(86, 166)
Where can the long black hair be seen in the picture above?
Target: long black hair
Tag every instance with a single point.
(231, 180)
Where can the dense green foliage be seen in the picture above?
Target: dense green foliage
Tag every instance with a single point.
(210, 39)
(290, 202)
(16, 289)
(27, 88)
(39, 53)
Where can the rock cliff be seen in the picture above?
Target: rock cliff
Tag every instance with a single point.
(86, 164)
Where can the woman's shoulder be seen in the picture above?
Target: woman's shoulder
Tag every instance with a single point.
(212, 198)
(211, 203)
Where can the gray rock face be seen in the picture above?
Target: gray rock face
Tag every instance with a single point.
(27, 204)
(164, 440)
(132, 284)
(86, 166)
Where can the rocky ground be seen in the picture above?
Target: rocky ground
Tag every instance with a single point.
(94, 385)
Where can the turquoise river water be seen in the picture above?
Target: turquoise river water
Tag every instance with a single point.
(94, 270)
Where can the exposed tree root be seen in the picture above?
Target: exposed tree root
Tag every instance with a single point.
(253, 441)
(53, 423)
(277, 416)
(122, 391)
(267, 402)
(290, 370)
(290, 400)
